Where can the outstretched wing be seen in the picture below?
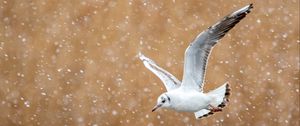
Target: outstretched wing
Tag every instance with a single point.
(168, 79)
(197, 53)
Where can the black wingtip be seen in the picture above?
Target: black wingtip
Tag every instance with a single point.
(251, 5)
(245, 10)
(205, 115)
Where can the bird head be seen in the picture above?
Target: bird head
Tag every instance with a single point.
(163, 101)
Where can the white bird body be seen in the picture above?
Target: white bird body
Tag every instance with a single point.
(179, 98)
(188, 95)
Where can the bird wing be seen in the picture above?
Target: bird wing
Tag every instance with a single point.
(168, 79)
(196, 55)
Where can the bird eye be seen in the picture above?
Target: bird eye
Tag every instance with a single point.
(163, 101)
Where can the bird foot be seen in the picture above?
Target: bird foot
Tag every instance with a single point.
(214, 109)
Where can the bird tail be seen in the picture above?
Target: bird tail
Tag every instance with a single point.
(220, 95)
(220, 98)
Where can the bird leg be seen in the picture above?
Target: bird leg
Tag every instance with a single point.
(214, 109)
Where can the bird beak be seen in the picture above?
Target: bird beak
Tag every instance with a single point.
(156, 107)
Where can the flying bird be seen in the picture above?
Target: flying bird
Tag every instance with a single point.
(188, 95)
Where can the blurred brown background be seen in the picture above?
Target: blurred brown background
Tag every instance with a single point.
(74, 62)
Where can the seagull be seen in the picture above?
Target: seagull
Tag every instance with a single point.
(188, 95)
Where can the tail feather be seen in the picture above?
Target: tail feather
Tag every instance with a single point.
(220, 95)
(220, 98)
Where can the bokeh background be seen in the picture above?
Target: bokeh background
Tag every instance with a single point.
(73, 62)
